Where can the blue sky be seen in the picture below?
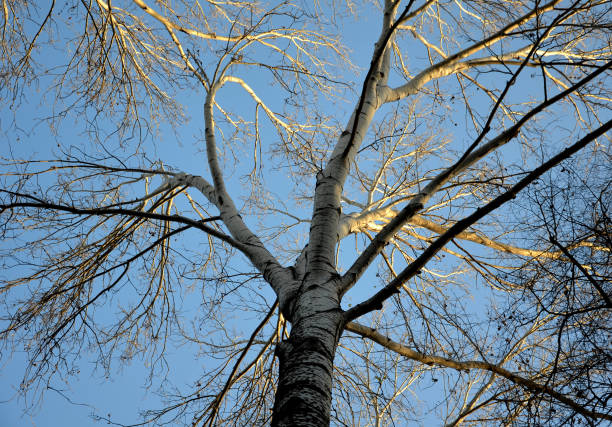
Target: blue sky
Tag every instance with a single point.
(90, 393)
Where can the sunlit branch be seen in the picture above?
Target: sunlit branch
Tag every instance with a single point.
(273, 117)
(417, 203)
(376, 66)
(292, 151)
(173, 26)
(170, 27)
(473, 404)
(452, 63)
(368, 221)
(278, 276)
(322, 239)
(376, 301)
(533, 386)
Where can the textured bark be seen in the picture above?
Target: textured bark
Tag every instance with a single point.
(303, 397)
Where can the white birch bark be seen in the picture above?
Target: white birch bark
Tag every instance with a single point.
(303, 397)
(304, 393)
(277, 276)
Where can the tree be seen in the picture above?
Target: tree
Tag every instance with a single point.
(453, 232)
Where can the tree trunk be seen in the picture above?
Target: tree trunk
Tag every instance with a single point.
(303, 396)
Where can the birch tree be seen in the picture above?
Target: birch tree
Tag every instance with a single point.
(443, 224)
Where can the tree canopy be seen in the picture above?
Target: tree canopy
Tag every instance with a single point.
(351, 213)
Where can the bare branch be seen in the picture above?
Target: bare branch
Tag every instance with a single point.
(533, 386)
(375, 302)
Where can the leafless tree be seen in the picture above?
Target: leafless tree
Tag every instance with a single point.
(450, 231)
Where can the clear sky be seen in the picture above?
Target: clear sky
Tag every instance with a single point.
(89, 396)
